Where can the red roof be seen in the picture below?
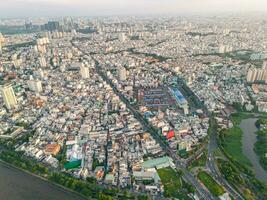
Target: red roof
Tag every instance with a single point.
(170, 134)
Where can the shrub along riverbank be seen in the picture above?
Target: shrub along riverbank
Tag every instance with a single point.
(236, 169)
(260, 146)
(89, 189)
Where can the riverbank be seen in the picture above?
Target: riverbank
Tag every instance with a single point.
(249, 139)
(260, 146)
(86, 189)
(235, 166)
(18, 184)
(230, 141)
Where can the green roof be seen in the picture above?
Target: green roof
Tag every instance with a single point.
(156, 162)
(72, 165)
(183, 152)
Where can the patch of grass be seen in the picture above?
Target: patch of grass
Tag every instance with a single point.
(233, 145)
(238, 117)
(172, 182)
(211, 184)
(200, 162)
(230, 172)
(170, 179)
(218, 153)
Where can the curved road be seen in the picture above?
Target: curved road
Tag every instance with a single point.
(211, 164)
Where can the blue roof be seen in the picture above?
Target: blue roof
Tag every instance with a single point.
(178, 96)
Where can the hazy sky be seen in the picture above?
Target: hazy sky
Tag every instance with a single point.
(28, 8)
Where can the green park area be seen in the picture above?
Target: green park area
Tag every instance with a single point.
(199, 162)
(173, 183)
(236, 167)
(233, 175)
(210, 183)
(230, 172)
(230, 140)
(232, 144)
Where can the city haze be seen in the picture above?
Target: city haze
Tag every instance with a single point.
(33, 8)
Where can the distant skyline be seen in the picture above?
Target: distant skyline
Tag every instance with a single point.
(54, 8)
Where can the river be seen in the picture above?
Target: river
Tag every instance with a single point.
(248, 140)
(18, 185)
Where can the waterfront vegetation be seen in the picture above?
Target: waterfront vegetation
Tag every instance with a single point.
(173, 183)
(17, 159)
(260, 146)
(237, 168)
(231, 141)
(230, 172)
(236, 118)
(89, 188)
(211, 184)
(251, 188)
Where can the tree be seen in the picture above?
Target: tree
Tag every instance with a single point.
(102, 196)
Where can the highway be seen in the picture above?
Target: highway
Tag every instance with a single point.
(211, 164)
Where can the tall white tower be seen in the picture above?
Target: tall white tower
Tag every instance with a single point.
(9, 96)
(122, 73)
(35, 85)
(84, 71)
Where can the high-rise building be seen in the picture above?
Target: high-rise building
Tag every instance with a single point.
(68, 23)
(39, 73)
(221, 49)
(41, 48)
(2, 39)
(264, 65)
(226, 31)
(9, 97)
(62, 68)
(84, 71)
(42, 41)
(28, 25)
(257, 75)
(186, 110)
(122, 37)
(225, 49)
(51, 26)
(122, 73)
(42, 62)
(1, 47)
(251, 76)
(35, 85)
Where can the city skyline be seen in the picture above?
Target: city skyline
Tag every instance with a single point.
(133, 99)
(31, 8)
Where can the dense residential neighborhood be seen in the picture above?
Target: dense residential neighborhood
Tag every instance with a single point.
(134, 101)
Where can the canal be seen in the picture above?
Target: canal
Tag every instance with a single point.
(248, 140)
(18, 185)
